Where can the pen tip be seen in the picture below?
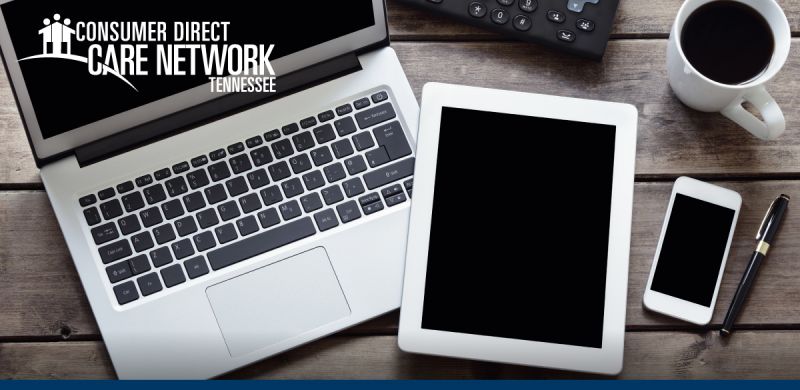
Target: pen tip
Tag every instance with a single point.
(724, 332)
(786, 196)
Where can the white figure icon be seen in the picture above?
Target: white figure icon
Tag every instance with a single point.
(57, 33)
(47, 35)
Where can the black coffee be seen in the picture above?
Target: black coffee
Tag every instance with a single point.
(727, 41)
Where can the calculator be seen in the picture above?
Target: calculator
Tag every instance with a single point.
(579, 27)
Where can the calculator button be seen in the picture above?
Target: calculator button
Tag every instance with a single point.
(555, 16)
(528, 5)
(585, 25)
(499, 16)
(577, 5)
(505, 2)
(566, 35)
(522, 23)
(477, 9)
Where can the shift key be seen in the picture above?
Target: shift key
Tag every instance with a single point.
(375, 115)
(389, 173)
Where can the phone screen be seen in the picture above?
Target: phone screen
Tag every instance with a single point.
(693, 250)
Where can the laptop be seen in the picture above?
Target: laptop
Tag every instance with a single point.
(214, 229)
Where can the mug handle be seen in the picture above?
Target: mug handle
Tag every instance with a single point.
(773, 124)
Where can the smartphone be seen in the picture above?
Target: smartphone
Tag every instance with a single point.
(692, 250)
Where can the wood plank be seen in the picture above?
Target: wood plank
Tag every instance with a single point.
(635, 18)
(673, 139)
(43, 296)
(648, 355)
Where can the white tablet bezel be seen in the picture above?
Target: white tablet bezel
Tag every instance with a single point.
(413, 338)
(677, 307)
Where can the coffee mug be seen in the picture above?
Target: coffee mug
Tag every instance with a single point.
(704, 94)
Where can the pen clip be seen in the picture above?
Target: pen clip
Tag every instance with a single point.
(764, 221)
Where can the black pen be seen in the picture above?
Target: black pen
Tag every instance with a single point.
(766, 234)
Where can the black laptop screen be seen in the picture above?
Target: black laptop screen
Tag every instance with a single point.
(66, 96)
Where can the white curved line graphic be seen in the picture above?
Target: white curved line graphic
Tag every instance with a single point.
(80, 59)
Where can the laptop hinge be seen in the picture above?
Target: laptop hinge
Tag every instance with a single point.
(213, 110)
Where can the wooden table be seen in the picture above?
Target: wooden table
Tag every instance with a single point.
(47, 329)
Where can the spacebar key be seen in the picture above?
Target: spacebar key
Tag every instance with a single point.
(260, 243)
(389, 173)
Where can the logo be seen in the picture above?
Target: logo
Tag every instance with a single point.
(186, 48)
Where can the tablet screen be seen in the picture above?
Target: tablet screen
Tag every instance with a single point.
(500, 178)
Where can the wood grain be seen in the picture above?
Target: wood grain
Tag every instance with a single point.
(648, 355)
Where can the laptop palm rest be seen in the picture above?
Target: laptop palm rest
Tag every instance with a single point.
(278, 302)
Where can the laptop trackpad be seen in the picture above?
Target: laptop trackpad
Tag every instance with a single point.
(277, 302)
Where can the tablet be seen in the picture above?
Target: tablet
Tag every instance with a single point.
(520, 229)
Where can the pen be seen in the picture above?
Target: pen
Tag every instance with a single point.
(766, 234)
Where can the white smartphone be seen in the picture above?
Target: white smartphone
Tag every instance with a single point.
(692, 251)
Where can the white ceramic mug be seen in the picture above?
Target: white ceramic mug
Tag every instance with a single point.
(701, 93)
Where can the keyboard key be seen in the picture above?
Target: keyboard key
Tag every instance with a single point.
(182, 249)
(379, 97)
(261, 243)
(566, 35)
(269, 218)
(345, 126)
(225, 233)
(151, 217)
(372, 208)
(522, 23)
(218, 154)
(87, 200)
(111, 209)
(311, 202)
(279, 171)
(119, 271)
(308, 122)
(528, 5)
(361, 103)
(235, 148)
(125, 187)
(154, 194)
(363, 141)
(204, 241)
(332, 195)
(185, 226)
(282, 148)
(300, 163)
(142, 242)
(180, 167)
(126, 293)
(393, 139)
(149, 284)
(334, 172)
(353, 187)
(172, 209)
(139, 264)
(355, 165)
(408, 184)
(342, 148)
(196, 267)
(348, 211)
(236, 186)
(272, 135)
(176, 186)
(271, 195)
(207, 218)
(199, 160)
(161, 256)
(290, 210)
(254, 141)
(106, 193)
(194, 201)
(219, 171)
(115, 251)
(324, 134)
(292, 188)
(377, 156)
(92, 216)
(555, 16)
(326, 116)
(499, 16)
(258, 178)
(261, 156)
(129, 224)
(314, 180)
(391, 190)
(369, 198)
(375, 115)
(215, 194)
(326, 220)
(240, 164)
(105, 233)
(321, 155)
(389, 173)
(344, 109)
(197, 179)
(228, 211)
(132, 202)
(163, 233)
(173, 275)
(249, 203)
(395, 199)
(303, 141)
(162, 174)
(290, 129)
(585, 25)
(247, 225)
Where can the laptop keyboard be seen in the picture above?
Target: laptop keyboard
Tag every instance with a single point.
(182, 222)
